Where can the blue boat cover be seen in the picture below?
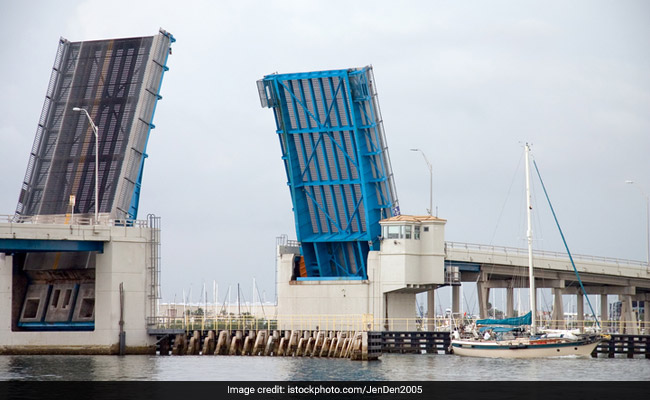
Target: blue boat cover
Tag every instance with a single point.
(525, 319)
(496, 329)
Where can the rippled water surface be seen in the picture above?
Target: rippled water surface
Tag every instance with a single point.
(390, 367)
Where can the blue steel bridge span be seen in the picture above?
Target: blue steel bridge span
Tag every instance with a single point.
(337, 164)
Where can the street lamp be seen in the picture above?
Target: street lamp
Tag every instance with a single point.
(647, 226)
(430, 210)
(95, 131)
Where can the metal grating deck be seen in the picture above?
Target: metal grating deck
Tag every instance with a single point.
(118, 82)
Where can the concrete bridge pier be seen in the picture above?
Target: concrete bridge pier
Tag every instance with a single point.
(604, 325)
(557, 315)
(431, 309)
(628, 318)
(455, 299)
(646, 315)
(483, 292)
(510, 302)
(644, 323)
(580, 311)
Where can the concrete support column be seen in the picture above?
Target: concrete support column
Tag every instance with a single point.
(510, 307)
(580, 311)
(628, 319)
(483, 295)
(646, 315)
(7, 306)
(604, 309)
(431, 310)
(557, 315)
(455, 299)
(623, 315)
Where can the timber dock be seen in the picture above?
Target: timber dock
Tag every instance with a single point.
(419, 342)
(630, 345)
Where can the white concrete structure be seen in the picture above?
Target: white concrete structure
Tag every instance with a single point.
(126, 260)
(411, 260)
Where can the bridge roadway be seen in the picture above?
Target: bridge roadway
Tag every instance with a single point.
(507, 267)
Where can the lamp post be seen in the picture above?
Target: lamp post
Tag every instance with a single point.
(430, 210)
(72, 202)
(647, 226)
(95, 131)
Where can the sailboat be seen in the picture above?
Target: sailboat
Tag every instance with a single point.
(518, 343)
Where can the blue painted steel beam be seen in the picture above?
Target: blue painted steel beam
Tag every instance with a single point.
(58, 326)
(464, 266)
(40, 245)
(332, 278)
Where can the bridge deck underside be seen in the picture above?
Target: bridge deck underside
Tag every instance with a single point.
(337, 165)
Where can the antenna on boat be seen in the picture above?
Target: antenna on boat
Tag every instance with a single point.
(529, 235)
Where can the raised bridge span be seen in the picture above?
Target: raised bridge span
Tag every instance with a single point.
(507, 267)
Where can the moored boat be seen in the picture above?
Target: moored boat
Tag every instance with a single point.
(529, 347)
(507, 339)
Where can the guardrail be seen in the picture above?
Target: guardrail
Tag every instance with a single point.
(362, 322)
(69, 219)
(351, 322)
(540, 253)
(607, 326)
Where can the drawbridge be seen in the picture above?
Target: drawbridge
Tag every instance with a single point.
(118, 83)
(338, 168)
(85, 168)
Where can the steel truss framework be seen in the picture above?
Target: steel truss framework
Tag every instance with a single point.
(118, 82)
(337, 164)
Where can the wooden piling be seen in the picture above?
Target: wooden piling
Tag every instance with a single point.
(276, 342)
(325, 348)
(260, 343)
(297, 343)
(194, 345)
(208, 344)
(180, 345)
(302, 343)
(309, 348)
(164, 346)
(281, 347)
(236, 344)
(332, 348)
(222, 347)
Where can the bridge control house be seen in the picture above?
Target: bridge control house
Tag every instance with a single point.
(411, 260)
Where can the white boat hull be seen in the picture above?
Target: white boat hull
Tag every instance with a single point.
(523, 349)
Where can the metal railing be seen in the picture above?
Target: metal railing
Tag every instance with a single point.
(69, 219)
(366, 322)
(346, 322)
(283, 240)
(540, 253)
(607, 326)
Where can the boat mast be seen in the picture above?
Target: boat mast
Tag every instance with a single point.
(529, 235)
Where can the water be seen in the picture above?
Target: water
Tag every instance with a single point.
(391, 367)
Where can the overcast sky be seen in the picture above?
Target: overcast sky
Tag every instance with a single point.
(468, 82)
